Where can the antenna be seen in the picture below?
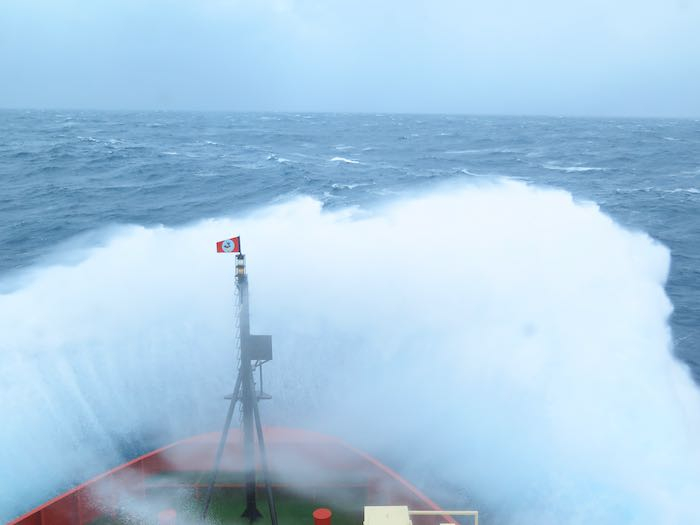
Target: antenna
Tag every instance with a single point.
(255, 350)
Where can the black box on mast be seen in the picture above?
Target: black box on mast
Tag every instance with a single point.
(259, 347)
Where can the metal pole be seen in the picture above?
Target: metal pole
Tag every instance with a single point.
(263, 460)
(248, 402)
(222, 444)
(245, 392)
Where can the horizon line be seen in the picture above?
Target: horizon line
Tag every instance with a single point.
(359, 113)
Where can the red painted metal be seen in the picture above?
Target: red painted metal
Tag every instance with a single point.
(94, 498)
(322, 517)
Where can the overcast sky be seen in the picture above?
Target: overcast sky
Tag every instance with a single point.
(554, 57)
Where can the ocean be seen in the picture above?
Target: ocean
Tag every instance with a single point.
(82, 192)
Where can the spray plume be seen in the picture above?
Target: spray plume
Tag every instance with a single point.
(503, 337)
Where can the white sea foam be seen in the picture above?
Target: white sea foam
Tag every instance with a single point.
(281, 160)
(343, 159)
(466, 151)
(339, 186)
(684, 190)
(659, 190)
(572, 169)
(634, 190)
(502, 337)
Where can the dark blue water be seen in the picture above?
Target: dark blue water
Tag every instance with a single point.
(67, 174)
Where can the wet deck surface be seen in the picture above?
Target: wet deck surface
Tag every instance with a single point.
(347, 505)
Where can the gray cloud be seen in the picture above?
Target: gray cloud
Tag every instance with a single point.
(589, 57)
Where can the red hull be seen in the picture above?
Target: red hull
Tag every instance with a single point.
(298, 459)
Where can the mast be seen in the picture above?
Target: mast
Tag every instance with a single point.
(255, 349)
(248, 397)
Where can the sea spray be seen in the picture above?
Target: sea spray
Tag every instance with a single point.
(503, 337)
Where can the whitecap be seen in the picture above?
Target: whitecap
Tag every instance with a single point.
(634, 190)
(465, 151)
(684, 190)
(339, 186)
(346, 161)
(572, 169)
(281, 160)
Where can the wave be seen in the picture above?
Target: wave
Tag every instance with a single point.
(281, 160)
(635, 190)
(467, 151)
(343, 159)
(572, 169)
(506, 338)
(684, 190)
(658, 190)
(339, 186)
(465, 171)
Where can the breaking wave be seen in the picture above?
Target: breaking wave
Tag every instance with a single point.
(684, 190)
(502, 337)
(572, 169)
(344, 160)
(277, 158)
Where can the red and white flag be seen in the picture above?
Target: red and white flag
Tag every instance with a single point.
(232, 245)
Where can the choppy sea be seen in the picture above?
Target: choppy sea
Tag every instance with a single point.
(65, 174)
